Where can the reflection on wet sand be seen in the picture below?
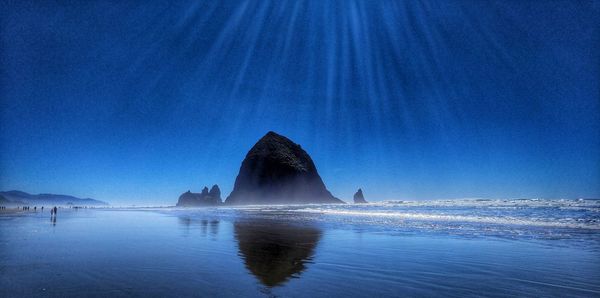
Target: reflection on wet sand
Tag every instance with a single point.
(206, 226)
(275, 251)
(53, 216)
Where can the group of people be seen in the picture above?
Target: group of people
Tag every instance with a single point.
(53, 210)
(26, 208)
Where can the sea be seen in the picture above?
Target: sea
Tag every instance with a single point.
(449, 248)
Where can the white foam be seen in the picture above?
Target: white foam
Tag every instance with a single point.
(456, 218)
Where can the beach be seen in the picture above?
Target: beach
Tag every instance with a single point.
(437, 248)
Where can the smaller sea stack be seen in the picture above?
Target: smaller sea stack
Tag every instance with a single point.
(205, 198)
(359, 198)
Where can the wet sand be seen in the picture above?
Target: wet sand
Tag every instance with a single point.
(249, 253)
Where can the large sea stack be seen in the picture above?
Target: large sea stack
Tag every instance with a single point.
(205, 198)
(278, 171)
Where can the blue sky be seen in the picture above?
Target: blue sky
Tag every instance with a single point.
(140, 101)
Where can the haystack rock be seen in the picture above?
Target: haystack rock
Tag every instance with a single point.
(206, 198)
(278, 171)
(359, 198)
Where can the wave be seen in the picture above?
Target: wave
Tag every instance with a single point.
(561, 213)
(592, 204)
(506, 220)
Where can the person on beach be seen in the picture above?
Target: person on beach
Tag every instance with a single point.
(55, 209)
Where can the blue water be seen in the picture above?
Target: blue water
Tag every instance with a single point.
(436, 248)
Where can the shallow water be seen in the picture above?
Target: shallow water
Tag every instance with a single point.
(435, 248)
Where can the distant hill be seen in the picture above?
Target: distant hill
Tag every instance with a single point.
(21, 197)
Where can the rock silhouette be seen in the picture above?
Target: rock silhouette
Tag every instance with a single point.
(215, 192)
(275, 251)
(278, 171)
(205, 198)
(359, 198)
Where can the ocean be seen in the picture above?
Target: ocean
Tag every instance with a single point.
(451, 248)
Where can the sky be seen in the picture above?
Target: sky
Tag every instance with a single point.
(136, 102)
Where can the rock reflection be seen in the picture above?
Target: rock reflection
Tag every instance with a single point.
(206, 226)
(275, 251)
